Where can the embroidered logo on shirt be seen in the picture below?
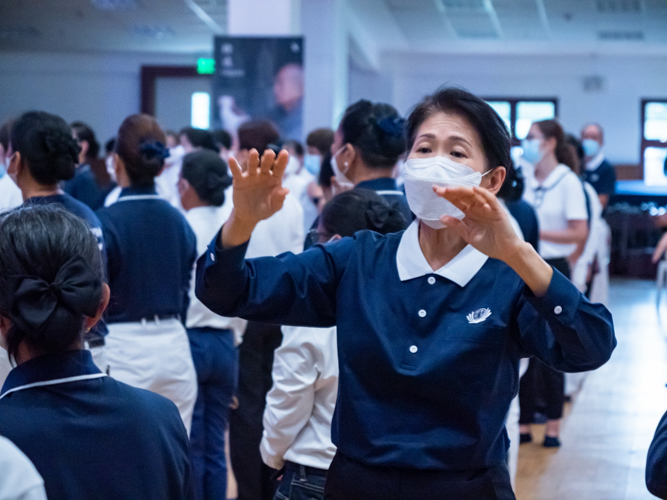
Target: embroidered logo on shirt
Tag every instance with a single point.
(479, 315)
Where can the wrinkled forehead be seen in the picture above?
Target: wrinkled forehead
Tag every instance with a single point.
(448, 127)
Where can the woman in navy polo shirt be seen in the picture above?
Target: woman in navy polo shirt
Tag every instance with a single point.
(151, 250)
(431, 322)
(88, 435)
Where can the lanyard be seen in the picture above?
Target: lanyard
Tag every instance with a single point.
(139, 197)
(55, 382)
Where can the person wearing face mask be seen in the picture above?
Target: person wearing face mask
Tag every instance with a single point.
(557, 195)
(431, 321)
(298, 180)
(300, 405)
(282, 232)
(367, 145)
(10, 194)
(599, 173)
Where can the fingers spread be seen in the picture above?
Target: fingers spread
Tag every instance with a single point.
(267, 161)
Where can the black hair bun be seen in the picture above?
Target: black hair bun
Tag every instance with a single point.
(63, 151)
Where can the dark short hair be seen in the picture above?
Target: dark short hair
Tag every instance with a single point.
(36, 241)
(46, 144)
(489, 126)
(84, 132)
(321, 139)
(258, 134)
(136, 132)
(222, 139)
(359, 209)
(377, 130)
(298, 147)
(199, 138)
(326, 172)
(207, 173)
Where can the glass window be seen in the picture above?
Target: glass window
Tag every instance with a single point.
(200, 115)
(655, 121)
(528, 112)
(655, 163)
(504, 110)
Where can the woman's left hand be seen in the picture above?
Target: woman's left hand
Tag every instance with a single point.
(486, 225)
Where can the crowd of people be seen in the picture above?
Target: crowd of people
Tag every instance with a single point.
(381, 312)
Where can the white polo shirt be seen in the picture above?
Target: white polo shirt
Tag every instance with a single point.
(559, 199)
(10, 194)
(19, 480)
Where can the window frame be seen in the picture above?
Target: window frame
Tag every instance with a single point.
(645, 143)
(513, 102)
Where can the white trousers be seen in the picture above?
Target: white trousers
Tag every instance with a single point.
(155, 355)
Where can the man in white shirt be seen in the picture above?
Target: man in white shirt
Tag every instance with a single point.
(19, 480)
(10, 194)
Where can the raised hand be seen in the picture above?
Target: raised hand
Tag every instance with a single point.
(258, 194)
(486, 225)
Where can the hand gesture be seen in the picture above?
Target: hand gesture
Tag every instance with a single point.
(258, 192)
(486, 225)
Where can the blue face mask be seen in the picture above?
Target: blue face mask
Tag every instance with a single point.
(531, 150)
(312, 163)
(591, 147)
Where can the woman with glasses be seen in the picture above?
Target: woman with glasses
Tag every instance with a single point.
(557, 195)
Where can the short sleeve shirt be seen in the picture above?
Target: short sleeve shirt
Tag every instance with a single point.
(558, 200)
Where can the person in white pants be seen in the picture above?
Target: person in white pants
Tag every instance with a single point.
(151, 252)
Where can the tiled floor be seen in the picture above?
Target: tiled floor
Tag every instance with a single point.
(610, 425)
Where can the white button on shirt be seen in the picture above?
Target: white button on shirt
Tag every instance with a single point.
(422, 313)
(558, 310)
(413, 349)
(431, 280)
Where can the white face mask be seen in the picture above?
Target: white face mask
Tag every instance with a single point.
(340, 176)
(421, 174)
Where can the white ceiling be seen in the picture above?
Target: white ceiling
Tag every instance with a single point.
(187, 26)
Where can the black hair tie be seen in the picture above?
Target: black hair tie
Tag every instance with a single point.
(30, 301)
(377, 215)
(154, 150)
(392, 126)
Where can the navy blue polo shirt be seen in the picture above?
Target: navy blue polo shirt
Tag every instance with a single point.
(525, 216)
(84, 187)
(95, 437)
(603, 178)
(387, 188)
(428, 364)
(656, 461)
(150, 253)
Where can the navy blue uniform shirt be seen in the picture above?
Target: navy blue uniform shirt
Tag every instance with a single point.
(386, 187)
(84, 187)
(429, 361)
(94, 437)
(603, 178)
(526, 217)
(150, 252)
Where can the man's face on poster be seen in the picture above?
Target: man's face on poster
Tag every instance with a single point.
(288, 86)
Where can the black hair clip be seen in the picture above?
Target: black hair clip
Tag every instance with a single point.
(154, 150)
(392, 126)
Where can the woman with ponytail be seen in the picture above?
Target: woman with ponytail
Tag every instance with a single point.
(88, 435)
(557, 195)
(300, 405)
(151, 250)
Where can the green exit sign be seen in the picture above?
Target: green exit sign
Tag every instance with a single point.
(205, 66)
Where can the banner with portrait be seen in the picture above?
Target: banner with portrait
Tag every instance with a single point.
(259, 78)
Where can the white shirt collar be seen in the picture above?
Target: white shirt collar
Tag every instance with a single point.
(596, 161)
(411, 262)
(556, 175)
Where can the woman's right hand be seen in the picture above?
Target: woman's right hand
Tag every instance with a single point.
(258, 194)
